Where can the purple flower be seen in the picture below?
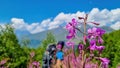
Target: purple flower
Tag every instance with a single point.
(100, 40)
(92, 33)
(95, 32)
(80, 46)
(74, 22)
(105, 62)
(92, 45)
(100, 48)
(94, 29)
(70, 43)
(118, 66)
(100, 32)
(70, 27)
(89, 31)
(3, 62)
(35, 63)
(71, 34)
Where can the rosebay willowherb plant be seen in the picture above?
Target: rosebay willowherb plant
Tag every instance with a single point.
(32, 63)
(3, 62)
(90, 48)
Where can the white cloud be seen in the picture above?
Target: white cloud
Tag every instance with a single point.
(32, 26)
(46, 22)
(37, 29)
(18, 23)
(104, 17)
(62, 17)
(116, 26)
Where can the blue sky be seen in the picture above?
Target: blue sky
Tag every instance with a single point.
(34, 12)
(37, 10)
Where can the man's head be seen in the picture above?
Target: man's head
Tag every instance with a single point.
(51, 48)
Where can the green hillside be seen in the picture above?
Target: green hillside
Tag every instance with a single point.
(112, 50)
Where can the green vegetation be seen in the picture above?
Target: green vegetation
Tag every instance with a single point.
(16, 55)
(112, 50)
(10, 50)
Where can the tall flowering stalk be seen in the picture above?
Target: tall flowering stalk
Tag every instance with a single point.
(3, 62)
(32, 63)
(94, 37)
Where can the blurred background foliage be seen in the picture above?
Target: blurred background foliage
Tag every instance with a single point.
(112, 50)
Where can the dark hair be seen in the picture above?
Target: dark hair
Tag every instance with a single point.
(51, 48)
(61, 43)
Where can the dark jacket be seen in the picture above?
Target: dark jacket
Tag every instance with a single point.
(48, 56)
(46, 60)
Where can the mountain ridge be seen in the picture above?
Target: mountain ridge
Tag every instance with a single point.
(59, 33)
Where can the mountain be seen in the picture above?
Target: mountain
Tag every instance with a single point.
(59, 33)
(107, 28)
(35, 39)
(21, 33)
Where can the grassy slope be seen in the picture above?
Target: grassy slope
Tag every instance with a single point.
(112, 50)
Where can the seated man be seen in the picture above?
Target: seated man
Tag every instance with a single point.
(48, 56)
